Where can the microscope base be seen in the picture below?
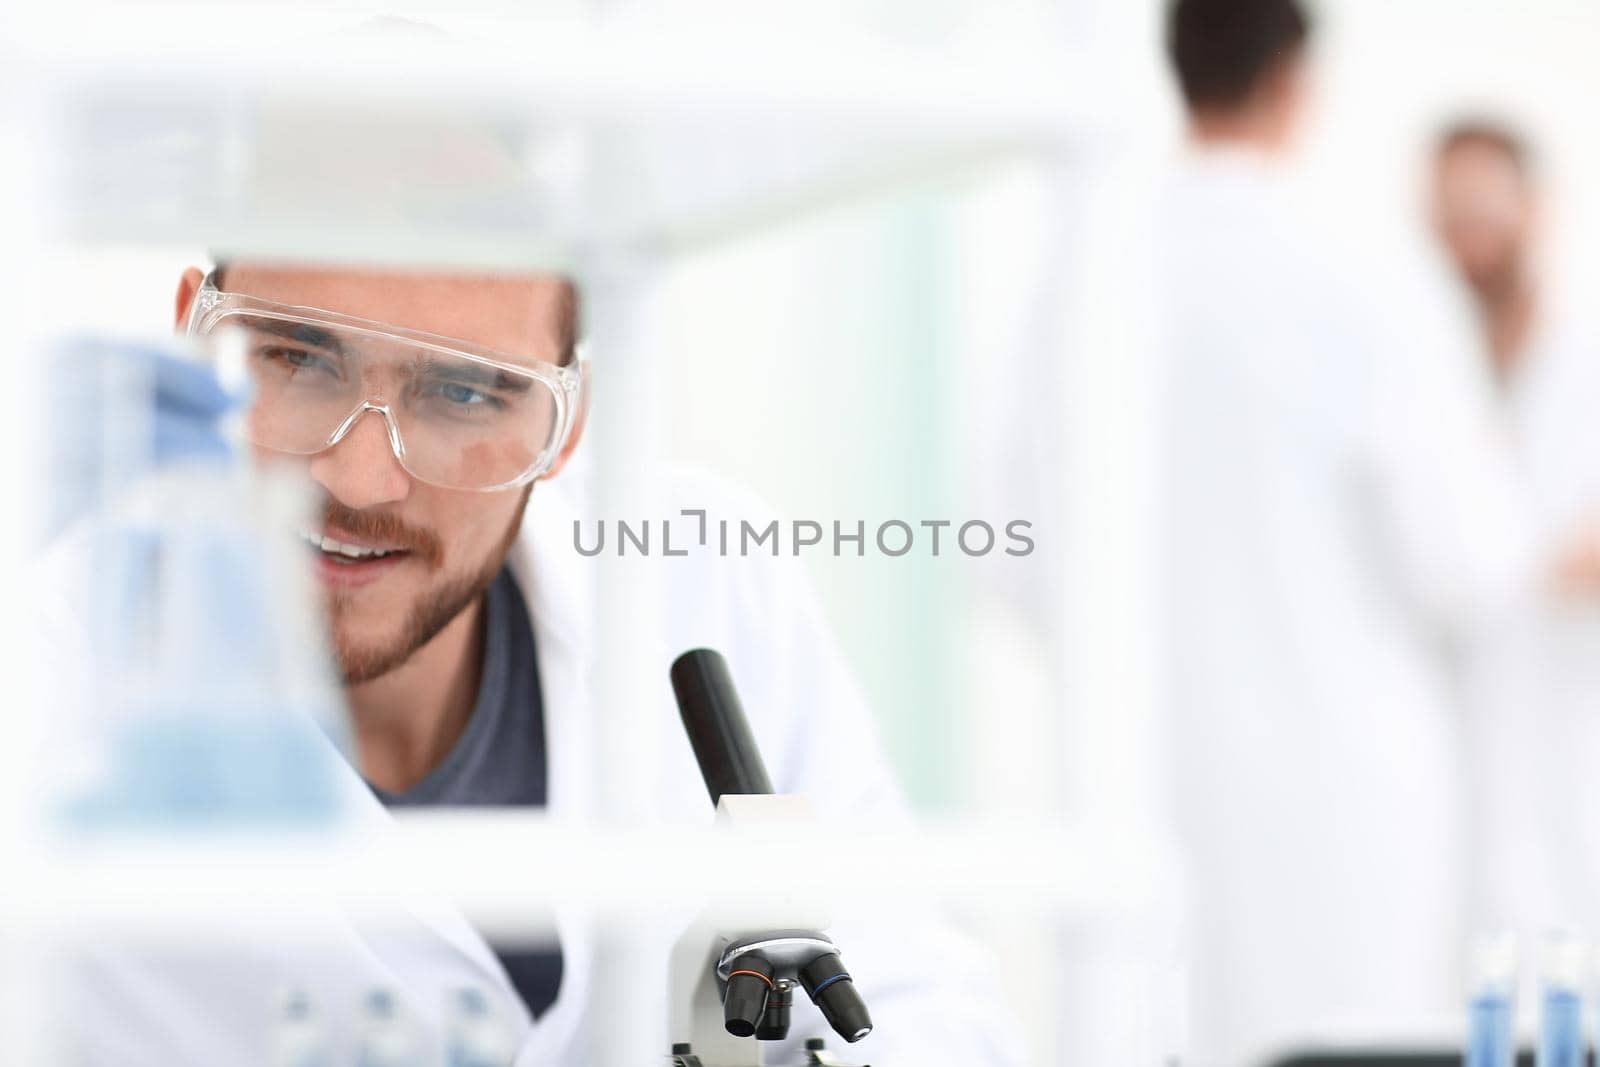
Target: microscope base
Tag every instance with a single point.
(811, 1057)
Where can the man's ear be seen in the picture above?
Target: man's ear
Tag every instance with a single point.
(572, 439)
(188, 286)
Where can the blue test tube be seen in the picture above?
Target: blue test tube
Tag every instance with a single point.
(1561, 980)
(1491, 1003)
(1490, 1033)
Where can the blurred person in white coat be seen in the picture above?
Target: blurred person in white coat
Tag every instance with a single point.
(463, 620)
(1340, 516)
(1535, 690)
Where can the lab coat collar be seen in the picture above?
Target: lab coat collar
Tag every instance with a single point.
(1232, 167)
(560, 600)
(1232, 156)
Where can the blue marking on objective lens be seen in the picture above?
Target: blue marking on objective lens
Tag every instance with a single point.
(1561, 1029)
(1489, 1031)
(836, 978)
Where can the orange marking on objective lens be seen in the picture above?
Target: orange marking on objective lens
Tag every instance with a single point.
(733, 974)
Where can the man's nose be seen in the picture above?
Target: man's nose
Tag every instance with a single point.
(361, 470)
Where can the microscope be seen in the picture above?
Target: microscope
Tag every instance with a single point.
(733, 989)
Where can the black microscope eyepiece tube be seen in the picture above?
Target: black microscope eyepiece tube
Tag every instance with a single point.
(718, 731)
(775, 1023)
(745, 999)
(834, 993)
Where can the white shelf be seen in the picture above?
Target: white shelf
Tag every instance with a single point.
(633, 132)
(503, 867)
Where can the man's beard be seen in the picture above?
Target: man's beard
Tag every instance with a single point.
(436, 608)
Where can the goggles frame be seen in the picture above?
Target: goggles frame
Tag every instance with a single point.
(568, 382)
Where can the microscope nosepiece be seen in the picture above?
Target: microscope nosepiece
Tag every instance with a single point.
(834, 993)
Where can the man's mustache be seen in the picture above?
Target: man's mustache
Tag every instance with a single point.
(384, 529)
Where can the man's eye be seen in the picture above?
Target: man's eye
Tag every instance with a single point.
(462, 394)
(458, 395)
(292, 358)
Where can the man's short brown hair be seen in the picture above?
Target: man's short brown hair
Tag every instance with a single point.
(1486, 133)
(1221, 49)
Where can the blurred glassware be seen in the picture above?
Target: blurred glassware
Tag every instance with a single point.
(205, 695)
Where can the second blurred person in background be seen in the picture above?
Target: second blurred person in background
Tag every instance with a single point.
(1535, 689)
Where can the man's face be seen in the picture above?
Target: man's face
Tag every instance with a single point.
(1483, 213)
(444, 546)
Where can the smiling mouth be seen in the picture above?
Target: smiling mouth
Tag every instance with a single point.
(345, 552)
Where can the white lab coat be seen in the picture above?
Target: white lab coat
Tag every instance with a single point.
(1337, 510)
(138, 1003)
(1535, 688)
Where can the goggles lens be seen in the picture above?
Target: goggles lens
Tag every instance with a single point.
(454, 420)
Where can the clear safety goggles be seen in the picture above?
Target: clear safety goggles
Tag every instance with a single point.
(457, 416)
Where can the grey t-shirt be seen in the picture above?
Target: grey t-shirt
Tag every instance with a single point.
(499, 759)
